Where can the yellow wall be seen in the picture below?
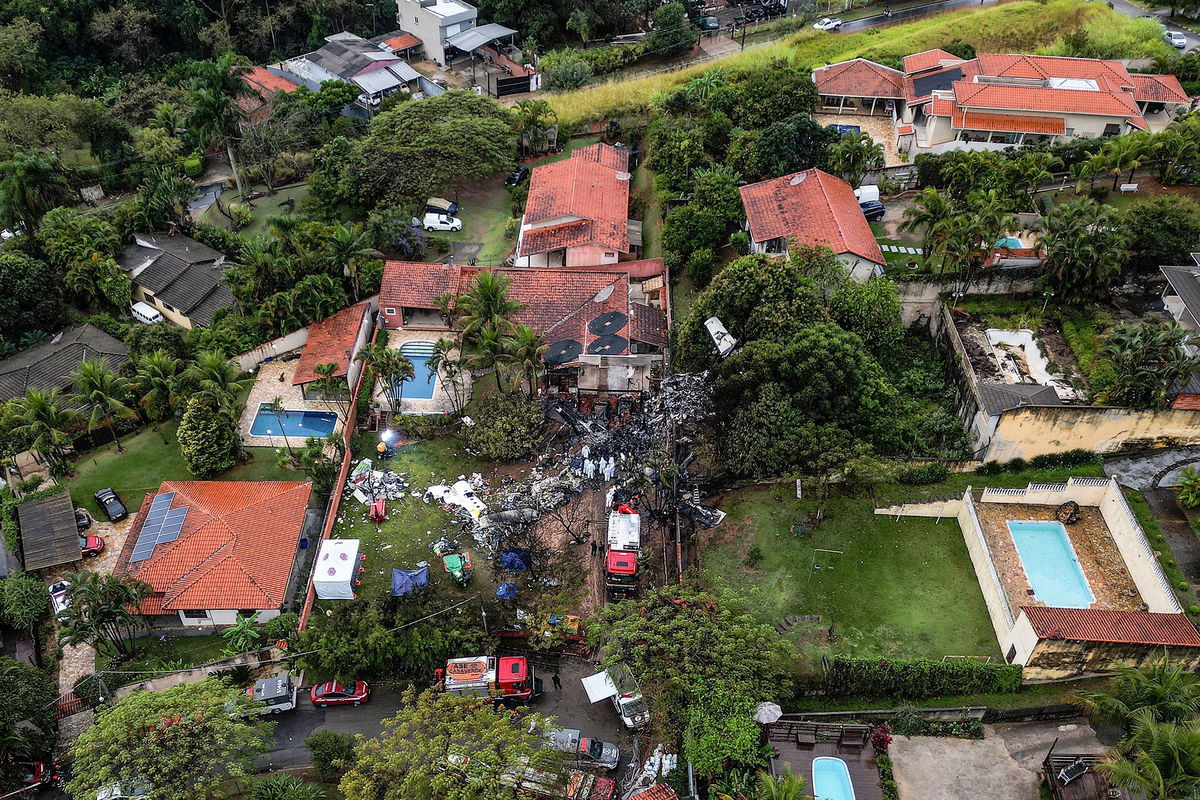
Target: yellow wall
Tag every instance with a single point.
(140, 295)
(1028, 432)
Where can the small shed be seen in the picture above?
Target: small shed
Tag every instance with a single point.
(336, 571)
(49, 536)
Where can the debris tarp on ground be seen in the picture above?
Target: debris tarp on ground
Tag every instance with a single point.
(408, 580)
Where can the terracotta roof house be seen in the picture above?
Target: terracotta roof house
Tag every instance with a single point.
(179, 277)
(334, 340)
(859, 86)
(1000, 100)
(403, 44)
(816, 208)
(49, 363)
(577, 213)
(267, 83)
(604, 325)
(213, 549)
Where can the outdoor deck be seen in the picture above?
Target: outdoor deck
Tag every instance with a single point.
(864, 773)
(1088, 786)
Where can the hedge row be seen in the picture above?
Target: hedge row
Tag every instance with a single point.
(918, 678)
(1068, 458)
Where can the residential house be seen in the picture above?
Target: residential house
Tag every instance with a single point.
(499, 68)
(266, 84)
(371, 66)
(49, 363)
(211, 550)
(180, 277)
(605, 326)
(577, 213)
(334, 340)
(859, 86)
(403, 44)
(435, 22)
(815, 208)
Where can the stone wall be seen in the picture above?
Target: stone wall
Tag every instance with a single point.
(1035, 430)
(1056, 659)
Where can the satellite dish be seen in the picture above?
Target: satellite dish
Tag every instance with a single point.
(603, 294)
(563, 351)
(797, 179)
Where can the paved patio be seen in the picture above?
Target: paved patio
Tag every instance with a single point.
(441, 402)
(274, 379)
(878, 128)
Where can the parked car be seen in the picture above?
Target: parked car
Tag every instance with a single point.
(440, 205)
(333, 693)
(439, 222)
(1175, 39)
(32, 774)
(58, 597)
(114, 509)
(708, 24)
(83, 520)
(584, 751)
(872, 210)
(91, 545)
(827, 24)
(517, 177)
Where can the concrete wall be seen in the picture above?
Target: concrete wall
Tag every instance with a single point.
(590, 256)
(985, 569)
(225, 617)
(920, 301)
(1032, 431)
(1021, 641)
(860, 269)
(1137, 554)
(1056, 659)
(274, 348)
(170, 313)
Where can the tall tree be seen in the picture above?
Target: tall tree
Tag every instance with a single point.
(486, 305)
(333, 389)
(216, 116)
(31, 183)
(177, 743)
(1085, 249)
(1147, 360)
(1167, 692)
(348, 250)
(216, 377)
(103, 610)
(527, 352)
(155, 383)
(853, 155)
(43, 421)
(275, 406)
(104, 394)
(1158, 760)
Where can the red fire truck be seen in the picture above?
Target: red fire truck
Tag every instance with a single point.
(506, 679)
(621, 560)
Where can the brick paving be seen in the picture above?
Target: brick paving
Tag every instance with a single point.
(274, 379)
(1095, 548)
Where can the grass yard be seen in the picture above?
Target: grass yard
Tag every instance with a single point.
(264, 207)
(899, 589)
(652, 217)
(169, 652)
(151, 457)
(404, 538)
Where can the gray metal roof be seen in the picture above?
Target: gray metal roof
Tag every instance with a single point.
(48, 533)
(49, 363)
(998, 397)
(1186, 283)
(474, 38)
(180, 246)
(345, 58)
(190, 284)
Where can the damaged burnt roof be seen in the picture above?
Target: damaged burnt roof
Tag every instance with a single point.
(998, 397)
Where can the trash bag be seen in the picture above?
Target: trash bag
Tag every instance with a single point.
(515, 560)
(506, 591)
(408, 580)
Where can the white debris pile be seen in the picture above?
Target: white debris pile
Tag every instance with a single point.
(656, 767)
(367, 484)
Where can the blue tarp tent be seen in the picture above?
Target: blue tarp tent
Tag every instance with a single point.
(507, 591)
(515, 560)
(407, 580)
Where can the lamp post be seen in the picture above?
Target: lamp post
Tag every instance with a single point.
(1047, 295)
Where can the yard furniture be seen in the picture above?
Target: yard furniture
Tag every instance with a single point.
(806, 735)
(853, 736)
(1072, 771)
(1129, 188)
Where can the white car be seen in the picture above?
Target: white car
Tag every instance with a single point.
(438, 222)
(827, 24)
(58, 597)
(1175, 39)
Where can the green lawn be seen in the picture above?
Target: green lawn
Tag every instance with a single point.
(170, 652)
(899, 589)
(652, 218)
(152, 456)
(264, 207)
(413, 525)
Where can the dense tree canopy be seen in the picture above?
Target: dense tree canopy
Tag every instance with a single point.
(31, 300)
(1162, 230)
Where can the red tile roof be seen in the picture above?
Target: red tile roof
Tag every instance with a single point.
(659, 791)
(1008, 123)
(1187, 402)
(402, 42)
(859, 78)
(417, 284)
(814, 207)
(926, 59)
(591, 186)
(649, 324)
(1106, 102)
(1158, 89)
(966, 69)
(1112, 625)
(235, 550)
(905, 130)
(330, 340)
(1045, 67)
(266, 85)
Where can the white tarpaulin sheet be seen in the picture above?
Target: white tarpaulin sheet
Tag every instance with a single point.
(336, 570)
(599, 687)
(624, 531)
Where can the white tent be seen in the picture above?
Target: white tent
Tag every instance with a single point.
(336, 569)
(599, 687)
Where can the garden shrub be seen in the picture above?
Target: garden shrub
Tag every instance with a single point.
(1078, 457)
(919, 678)
(740, 242)
(700, 266)
(208, 439)
(568, 75)
(1189, 488)
(332, 753)
(919, 476)
(1017, 465)
(88, 689)
(506, 427)
(889, 789)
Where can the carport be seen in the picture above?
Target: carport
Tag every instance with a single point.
(49, 536)
(504, 71)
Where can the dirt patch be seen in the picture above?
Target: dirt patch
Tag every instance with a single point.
(561, 530)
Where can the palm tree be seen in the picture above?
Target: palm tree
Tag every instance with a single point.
(1166, 692)
(1125, 153)
(216, 377)
(527, 352)
(332, 388)
(929, 213)
(156, 380)
(102, 609)
(534, 120)
(275, 406)
(1157, 761)
(583, 21)
(853, 155)
(1085, 250)
(486, 304)
(216, 116)
(42, 421)
(490, 351)
(163, 199)
(787, 786)
(99, 389)
(166, 117)
(347, 248)
(1147, 360)
(31, 183)
(450, 367)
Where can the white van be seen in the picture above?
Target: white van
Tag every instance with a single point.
(144, 312)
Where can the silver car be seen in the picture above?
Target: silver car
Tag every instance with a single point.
(584, 751)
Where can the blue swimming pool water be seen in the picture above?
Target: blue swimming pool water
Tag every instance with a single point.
(295, 423)
(831, 779)
(1050, 564)
(1011, 242)
(423, 382)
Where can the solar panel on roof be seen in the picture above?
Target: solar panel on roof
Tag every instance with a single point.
(162, 524)
(939, 80)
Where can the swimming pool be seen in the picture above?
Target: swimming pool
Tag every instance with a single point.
(295, 423)
(424, 381)
(831, 779)
(1011, 242)
(1050, 564)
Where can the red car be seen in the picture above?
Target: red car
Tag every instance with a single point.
(91, 545)
(332, 693)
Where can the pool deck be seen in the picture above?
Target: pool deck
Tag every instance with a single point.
(1098, 555)
(440, 402)
(864, 772)
(274, 379)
